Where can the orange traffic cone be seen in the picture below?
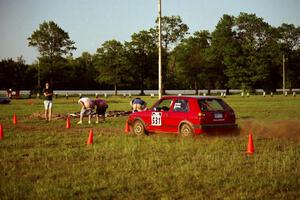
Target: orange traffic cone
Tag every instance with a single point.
(15, 119)
(250, 147)
(127, 128)
(90, 139)
(1, 132)
(68, 123)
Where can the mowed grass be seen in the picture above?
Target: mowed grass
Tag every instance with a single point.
(40, 160)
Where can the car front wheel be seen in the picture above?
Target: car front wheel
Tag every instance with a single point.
(138, 128)
(186, 130)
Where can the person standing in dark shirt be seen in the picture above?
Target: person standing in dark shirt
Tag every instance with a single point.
(48, 93)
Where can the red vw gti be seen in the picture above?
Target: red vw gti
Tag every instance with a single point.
(185, 115)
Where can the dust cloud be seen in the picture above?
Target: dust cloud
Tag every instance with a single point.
(289, 129)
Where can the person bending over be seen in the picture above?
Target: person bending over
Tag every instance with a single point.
(86, 108)
(101, 107)
(138, 105)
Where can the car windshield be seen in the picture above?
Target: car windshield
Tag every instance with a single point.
(211, 105)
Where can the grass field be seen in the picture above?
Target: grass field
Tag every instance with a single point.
(40, 160)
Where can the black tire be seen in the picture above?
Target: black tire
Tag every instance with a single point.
(138, 128)
(186, 130)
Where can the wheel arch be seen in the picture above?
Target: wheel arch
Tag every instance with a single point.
(139, 119)
(185, 122)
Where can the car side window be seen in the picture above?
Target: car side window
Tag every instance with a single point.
(181, 105)
(164, 105)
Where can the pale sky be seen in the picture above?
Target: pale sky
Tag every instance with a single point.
(91, 22)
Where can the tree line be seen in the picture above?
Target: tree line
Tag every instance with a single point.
(243, 52)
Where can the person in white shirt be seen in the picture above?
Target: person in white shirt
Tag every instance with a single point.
(86, 108)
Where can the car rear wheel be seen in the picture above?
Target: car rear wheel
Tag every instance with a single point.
(138, 128)
(186, 130)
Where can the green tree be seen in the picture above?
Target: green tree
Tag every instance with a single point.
(110, 63)
(192, 68)
(289, 37)
(85, 72)
(15, 74)
(289, 41)
(141, 53)
(222, 44)
(173, 30)
(245, 63)
(52, 43)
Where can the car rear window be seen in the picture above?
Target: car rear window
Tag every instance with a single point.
(211, 104)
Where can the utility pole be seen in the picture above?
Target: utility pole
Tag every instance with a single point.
(39, 74)
(283, 74)
(159, 51)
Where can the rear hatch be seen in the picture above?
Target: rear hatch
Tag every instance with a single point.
(215, 111)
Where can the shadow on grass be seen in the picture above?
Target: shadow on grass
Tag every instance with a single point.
(223, 133)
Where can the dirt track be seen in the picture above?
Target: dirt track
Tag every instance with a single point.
(40, 115)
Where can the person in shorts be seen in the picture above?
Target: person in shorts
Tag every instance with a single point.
(138, 105)
(101, 107)
(48, 93)
(86, 108)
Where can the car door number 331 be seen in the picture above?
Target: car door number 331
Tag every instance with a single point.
(156, 119)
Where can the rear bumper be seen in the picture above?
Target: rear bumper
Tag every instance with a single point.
(213, 126)
(199, 129)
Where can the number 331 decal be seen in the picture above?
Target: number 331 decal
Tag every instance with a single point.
(156, 119)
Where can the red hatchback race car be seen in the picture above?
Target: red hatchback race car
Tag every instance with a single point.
(184, 115)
